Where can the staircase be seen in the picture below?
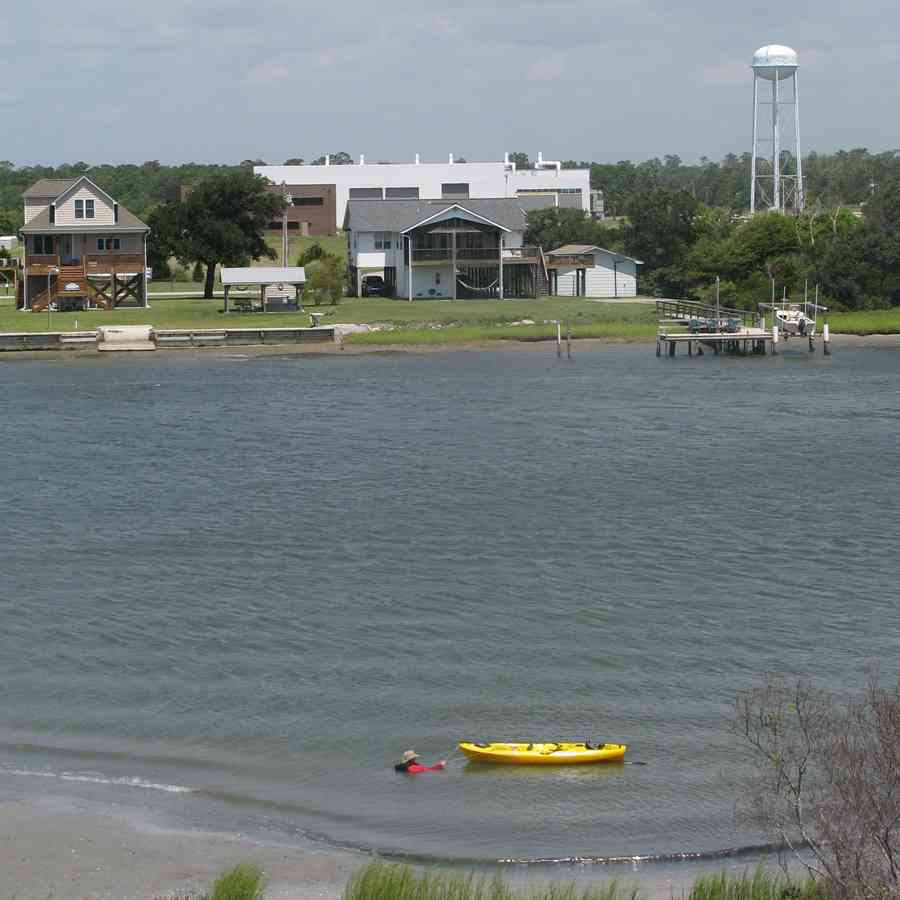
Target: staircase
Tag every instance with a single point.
(70, 275)
(542, 279)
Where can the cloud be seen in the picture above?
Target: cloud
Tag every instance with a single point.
(266, 73)
(548, 68)
(611, 80)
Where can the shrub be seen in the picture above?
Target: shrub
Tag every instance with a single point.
(197, 274)
(326, 279)
(243, 882)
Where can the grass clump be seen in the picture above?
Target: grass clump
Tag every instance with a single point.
(388, 881)
(243, 882)
(761, 885)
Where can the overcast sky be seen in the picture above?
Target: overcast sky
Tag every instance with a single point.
(128, 81)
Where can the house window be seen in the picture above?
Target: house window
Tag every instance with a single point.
(43, 243)
(382, 240)
(108, 243)
(84, 209)
(79, 209)
(308, 201)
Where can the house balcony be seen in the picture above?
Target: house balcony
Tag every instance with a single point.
(100, 264)
(475, 255)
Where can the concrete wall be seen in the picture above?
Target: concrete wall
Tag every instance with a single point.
(485, 180)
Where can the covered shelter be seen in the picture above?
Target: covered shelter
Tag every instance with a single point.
(583, 270)
(279, 287)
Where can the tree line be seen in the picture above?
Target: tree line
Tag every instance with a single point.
(685, 246)
(847, 177)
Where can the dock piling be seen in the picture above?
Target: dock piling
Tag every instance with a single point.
(826, 340)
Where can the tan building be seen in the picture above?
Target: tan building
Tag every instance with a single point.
(310, 210)
(82, 248)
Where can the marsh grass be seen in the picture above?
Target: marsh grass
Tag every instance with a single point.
(243, 882)
(761, 885)
(388, 881)
(879, 321)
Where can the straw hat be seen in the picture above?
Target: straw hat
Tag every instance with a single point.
(410, 755)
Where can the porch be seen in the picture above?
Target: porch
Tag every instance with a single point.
(104, 280)
(465, 256)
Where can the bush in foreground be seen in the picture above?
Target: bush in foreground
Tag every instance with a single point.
(243, 882)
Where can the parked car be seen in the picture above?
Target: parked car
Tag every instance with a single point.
(373, 286)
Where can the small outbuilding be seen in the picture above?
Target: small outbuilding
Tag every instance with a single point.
(279, 287)
(582, 270)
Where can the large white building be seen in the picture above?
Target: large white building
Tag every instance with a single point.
(452, 181)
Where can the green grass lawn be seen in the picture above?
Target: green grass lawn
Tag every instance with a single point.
(297, 243)
(422, 321)
(882, 321)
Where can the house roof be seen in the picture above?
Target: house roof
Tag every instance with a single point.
(49, 187)
(399, 215)
(264, 275)
(579, 249)
(128, 221)
(454, 209)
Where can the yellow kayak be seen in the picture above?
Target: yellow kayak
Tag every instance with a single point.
(553, 754)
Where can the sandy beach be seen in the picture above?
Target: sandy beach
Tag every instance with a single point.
(65, 850)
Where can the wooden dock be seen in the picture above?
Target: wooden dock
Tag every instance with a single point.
(744, 340)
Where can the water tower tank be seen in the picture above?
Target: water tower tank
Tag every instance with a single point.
(772, 60)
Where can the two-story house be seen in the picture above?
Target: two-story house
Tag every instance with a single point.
(439, 249)
(82, 248)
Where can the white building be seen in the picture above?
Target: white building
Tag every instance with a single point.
(581, 270)
(451, 181)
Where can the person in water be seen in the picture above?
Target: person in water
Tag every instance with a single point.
(412, 766)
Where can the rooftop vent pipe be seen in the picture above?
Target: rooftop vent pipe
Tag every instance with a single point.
(547, 163)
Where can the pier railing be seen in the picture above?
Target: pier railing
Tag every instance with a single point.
(692, 309)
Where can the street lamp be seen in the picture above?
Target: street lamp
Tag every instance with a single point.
(288, 200)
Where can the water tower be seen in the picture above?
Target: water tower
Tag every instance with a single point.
(772, 183)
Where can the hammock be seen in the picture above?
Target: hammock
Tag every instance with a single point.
(484, 290)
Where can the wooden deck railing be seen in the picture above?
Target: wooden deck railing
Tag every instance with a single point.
(90, 264)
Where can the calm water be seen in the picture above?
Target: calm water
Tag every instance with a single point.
(233, 590)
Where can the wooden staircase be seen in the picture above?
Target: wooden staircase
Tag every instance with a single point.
(542, 279)
(70, 275)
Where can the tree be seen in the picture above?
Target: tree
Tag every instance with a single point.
(326, 279)
(294, 161)
(521, 160)
(222, 221)
(249, 163)
(335, 159)
(826, 780)
(312, 252)
(661, 226)
(552, 227)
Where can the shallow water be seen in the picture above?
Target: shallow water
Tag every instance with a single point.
(234, 589)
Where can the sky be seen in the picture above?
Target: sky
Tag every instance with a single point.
(222, 80)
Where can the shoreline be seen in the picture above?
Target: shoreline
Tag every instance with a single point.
(72, 849)
(351, 349)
